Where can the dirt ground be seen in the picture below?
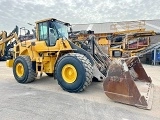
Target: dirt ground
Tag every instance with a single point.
(44, 99)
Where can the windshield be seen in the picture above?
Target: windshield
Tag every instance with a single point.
(62, 29)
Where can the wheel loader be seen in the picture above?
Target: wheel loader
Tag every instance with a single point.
(75, 64)
(6, 43)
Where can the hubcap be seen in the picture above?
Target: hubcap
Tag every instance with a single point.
(19, 69)
(69, 73)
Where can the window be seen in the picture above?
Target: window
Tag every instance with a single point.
(62, 30)
(43, 31)
(53, 35)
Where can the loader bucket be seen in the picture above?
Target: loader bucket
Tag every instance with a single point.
(128, 83)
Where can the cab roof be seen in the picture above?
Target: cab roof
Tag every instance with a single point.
(52, 19)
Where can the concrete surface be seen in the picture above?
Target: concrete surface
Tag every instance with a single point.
(45, 100)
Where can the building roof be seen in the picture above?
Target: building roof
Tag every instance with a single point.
(106, 27)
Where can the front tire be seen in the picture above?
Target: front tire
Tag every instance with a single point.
(22, 69)
(74, 72)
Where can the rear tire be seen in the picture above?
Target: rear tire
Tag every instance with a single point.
(22, 69)
(80, 66)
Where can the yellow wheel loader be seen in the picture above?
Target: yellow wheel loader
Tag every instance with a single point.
(75, 64)
(6, 43)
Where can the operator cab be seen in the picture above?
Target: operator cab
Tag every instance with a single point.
(51, 30)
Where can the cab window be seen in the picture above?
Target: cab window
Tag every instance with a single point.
(43, 31)
(53, 35)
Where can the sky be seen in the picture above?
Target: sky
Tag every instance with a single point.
(21, 12)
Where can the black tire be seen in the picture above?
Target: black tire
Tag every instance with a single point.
(83, 68)
(50, 74)
(29, 74)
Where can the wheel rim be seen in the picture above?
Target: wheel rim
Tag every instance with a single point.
(19, 69)
(69, 73)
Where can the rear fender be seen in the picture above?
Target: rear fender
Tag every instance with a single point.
(33, 54)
